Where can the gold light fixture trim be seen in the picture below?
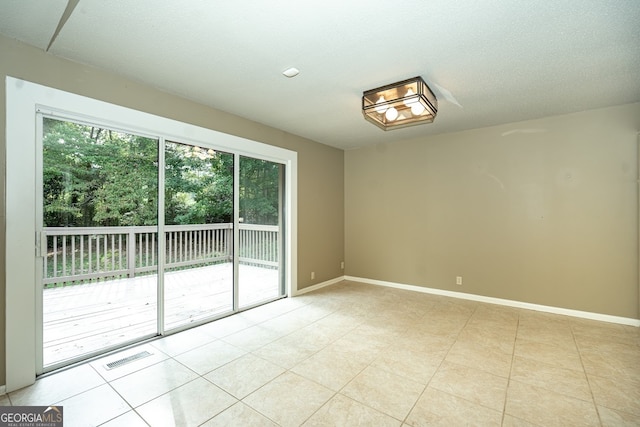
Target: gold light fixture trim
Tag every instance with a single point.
(407, 103)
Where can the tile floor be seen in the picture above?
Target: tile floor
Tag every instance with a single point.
(354, 354)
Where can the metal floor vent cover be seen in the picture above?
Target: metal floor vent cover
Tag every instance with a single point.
(128, 359)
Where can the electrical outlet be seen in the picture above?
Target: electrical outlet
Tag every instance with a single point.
(342, 265)
(458, 280)
(313, 275)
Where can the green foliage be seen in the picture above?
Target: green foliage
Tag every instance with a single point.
(198, 185)
(259, 191)
(99, 177)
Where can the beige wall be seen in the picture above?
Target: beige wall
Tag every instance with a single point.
(320, 168)
(542, 211)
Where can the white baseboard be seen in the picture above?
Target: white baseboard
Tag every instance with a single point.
(319, 285)
(3, 389)
(500, 301)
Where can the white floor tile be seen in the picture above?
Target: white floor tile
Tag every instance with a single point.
(93, 407)
(149, 383)
(57, 387)
(239, 415)
(209, 357)
(128, 419)
(289, 399)
(182, 342)
(189, 405)
(244, 375)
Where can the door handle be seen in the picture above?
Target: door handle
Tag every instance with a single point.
(41, 243)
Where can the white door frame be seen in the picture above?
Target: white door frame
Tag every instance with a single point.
(23, 100)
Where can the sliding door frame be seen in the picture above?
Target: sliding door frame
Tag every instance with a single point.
(41, 114)
(23, 101)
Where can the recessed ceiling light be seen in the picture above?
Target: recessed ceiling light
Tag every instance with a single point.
(291, 72)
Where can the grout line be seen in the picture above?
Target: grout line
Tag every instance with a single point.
(131, 408)
(513, 359)
(584, 371)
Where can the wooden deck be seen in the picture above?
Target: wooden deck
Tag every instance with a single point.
(82, 319)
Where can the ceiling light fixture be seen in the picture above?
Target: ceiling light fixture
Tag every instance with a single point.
(406, 103)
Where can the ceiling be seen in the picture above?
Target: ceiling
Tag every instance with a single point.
(488, 61)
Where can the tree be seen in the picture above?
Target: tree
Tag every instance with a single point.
(259, 191)
(97, 177)
(198, 185)
(94, 176)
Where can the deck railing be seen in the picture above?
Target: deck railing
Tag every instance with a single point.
(76, 254)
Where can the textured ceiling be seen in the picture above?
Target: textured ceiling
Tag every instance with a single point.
(488, 61)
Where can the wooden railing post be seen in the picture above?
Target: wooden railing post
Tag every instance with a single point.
(228, 243)
(131, 252)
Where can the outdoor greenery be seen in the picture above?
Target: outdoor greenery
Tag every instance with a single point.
(94, 177)
(97, 177)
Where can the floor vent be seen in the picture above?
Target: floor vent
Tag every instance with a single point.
(129, 359)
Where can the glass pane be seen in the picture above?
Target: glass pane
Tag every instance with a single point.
(198, 233)
(100, 192)
(260, 231)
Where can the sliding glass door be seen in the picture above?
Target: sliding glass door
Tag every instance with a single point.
(98, 231)
(260, 231)
(198, 217)
(108, 278)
